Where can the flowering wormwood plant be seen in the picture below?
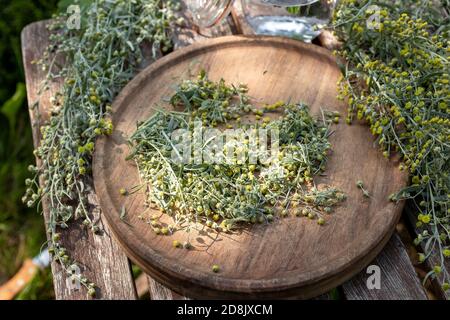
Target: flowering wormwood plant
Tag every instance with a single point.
(100, 58)
(396, 78)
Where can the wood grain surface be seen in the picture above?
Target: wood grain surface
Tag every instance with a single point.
(291, 257)
(398, 279)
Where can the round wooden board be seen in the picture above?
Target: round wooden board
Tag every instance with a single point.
(292, 257)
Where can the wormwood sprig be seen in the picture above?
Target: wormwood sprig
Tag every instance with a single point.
(225, 194)
(211, 102)
(396, 78)
(360, 185)
(95, 63)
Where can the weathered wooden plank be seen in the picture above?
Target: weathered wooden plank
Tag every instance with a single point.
(100, 258)
(398, 278)
(434, 259)
(160, 292)
(141, 284)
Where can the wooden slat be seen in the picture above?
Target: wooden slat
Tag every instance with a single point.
(141, 285)
(398, 277)
(102, 261)
(411, 216)
(160, 292)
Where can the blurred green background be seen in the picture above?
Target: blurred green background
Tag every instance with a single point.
(21, 229)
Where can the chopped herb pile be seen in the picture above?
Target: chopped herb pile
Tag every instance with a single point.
(226, 194)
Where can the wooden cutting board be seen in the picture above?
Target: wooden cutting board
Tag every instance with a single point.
(292, 257)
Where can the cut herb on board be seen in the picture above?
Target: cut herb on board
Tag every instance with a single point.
(232, 177)
(100, 58)
(396, 78)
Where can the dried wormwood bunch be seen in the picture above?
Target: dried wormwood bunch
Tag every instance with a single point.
(396, 78)
(100, 59)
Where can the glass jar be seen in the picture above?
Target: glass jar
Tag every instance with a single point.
(207, 13)
(300, 19)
